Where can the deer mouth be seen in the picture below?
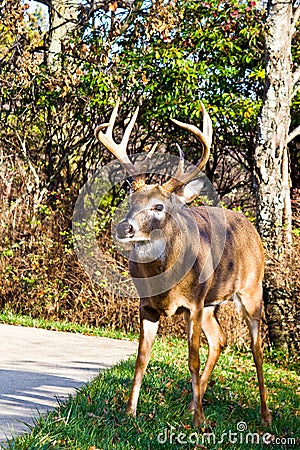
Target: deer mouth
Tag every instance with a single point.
(126, 233)
(135, 240)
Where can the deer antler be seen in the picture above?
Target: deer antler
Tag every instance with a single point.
(118, 150)
(180, 178)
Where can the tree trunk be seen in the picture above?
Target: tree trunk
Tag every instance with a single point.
(62, 17)
(271, 155)
(274, 213)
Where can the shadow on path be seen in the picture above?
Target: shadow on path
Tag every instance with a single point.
(40, 366)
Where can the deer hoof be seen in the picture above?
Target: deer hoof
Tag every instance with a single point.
(198, 420)
(266, 418)
(130, 411)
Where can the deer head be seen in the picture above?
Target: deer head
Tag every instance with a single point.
(152, 205)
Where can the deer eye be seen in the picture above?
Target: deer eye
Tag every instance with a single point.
(158, 207)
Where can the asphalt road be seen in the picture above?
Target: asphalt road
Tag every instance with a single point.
(38, 366)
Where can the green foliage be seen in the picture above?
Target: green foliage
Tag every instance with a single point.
(165, 56)
(178, 52)
(7, 316)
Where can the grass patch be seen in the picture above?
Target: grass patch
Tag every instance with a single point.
(11, 318)
(95, 417)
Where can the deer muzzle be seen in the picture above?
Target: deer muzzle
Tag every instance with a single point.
(125, 230)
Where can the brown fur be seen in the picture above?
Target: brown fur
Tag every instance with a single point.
(237, 270)
(188, 260)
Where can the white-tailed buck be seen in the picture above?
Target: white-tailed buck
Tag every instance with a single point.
(188, 260)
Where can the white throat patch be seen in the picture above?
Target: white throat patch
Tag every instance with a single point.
(148, 251)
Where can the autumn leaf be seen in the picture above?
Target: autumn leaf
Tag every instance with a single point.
(113, 6)
(144, 78)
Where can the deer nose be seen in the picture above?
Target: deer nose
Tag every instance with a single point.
(124, 230)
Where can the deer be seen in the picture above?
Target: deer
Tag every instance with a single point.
(219, 251)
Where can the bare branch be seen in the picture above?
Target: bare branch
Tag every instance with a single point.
(295, 19)
(44, 2)
(296, 76)
(295, 92)
(293, 134)
(295, 80)
(27, 160)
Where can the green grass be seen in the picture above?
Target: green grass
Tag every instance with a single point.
(11, 318)
(95, 418)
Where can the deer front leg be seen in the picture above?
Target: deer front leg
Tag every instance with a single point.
(149, 319)
(194, 332)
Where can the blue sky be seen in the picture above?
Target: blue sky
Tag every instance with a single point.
(38, 6)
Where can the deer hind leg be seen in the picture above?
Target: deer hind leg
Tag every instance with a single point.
(252, 306)
(216, 340)
(193, 320)
(149, 320)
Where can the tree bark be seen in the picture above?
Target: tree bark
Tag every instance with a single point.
(274, 218)
(62, 17)
(274, 213)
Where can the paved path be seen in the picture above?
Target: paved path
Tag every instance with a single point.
(37, 366)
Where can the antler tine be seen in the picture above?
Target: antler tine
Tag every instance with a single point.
(179, 172)
(118, 150)
(151, 152)
(129, 129)
(205, 137)
(112, 120)
(140, 179)
(110, 124)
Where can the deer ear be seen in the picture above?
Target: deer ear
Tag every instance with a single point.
(190, 191)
